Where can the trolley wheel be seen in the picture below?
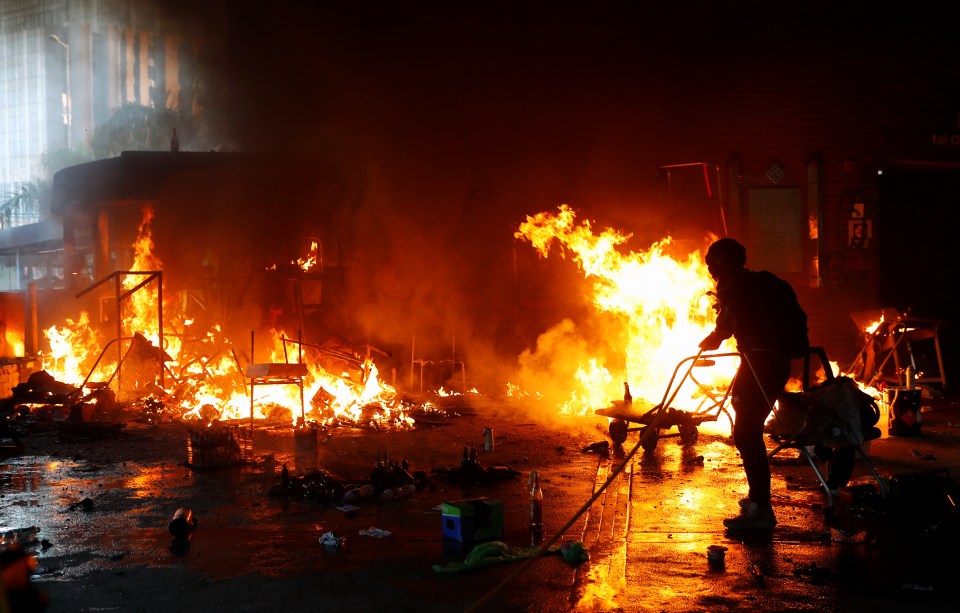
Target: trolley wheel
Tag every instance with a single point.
(618, 431)
(651, 443)
(688, 434)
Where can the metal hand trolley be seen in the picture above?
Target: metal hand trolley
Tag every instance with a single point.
(664, 417)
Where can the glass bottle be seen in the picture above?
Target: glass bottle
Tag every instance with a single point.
(536, 510)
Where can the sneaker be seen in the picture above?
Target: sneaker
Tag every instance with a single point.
(752, 517)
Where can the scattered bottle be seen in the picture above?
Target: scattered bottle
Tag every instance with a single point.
(183, 523)
(488, 439)
(536, 509)
(627, 396)
(174, 142)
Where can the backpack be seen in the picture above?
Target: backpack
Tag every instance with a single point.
(791, 328)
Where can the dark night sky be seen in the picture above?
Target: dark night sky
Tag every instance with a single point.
(469, 67)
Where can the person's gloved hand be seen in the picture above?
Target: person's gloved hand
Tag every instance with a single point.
(710, 342)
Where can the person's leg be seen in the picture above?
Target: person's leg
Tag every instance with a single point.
(751, 408)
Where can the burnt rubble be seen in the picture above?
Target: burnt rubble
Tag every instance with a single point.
(471, 471)
(389, 480)
(42, 388)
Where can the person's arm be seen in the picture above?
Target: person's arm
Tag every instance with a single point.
(722, 330)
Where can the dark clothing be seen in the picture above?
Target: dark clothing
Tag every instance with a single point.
(751, 405)
(761, 312)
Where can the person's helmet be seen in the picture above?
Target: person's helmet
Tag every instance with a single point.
(726, 253)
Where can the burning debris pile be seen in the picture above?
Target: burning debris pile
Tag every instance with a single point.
(190, 371)
(649, 310)
(42, 388)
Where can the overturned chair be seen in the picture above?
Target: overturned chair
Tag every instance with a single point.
(834, 414)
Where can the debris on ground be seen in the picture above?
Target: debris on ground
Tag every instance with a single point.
(19, 536)
(491, 553)
(601, 448)
(814, 573)
(330, 540)
(471, 470)
(375, 532)
(316, 485)
(183, 524)
(84, 505)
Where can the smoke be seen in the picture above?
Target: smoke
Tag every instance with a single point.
(442, 131)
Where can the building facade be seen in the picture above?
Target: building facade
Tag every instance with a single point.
(65, 68)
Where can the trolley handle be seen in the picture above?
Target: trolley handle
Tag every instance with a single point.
(827, 369)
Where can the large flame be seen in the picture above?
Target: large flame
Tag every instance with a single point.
(203, 377)
(652, 308)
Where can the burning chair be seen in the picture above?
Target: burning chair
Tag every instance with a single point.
(892, 342)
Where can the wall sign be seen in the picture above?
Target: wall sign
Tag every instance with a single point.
(859, 228)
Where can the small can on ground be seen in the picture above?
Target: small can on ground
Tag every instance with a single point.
(183, 523)
(716, 555)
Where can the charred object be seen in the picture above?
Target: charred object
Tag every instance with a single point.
(219, 447)
(41, 388)
(315, 486)
(471, 470)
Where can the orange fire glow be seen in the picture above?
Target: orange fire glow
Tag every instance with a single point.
(650, 309)
(653, 309)
(202, 378)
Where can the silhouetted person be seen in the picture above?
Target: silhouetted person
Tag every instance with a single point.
(761, 312)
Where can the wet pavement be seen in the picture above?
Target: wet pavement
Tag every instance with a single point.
(93, 506)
